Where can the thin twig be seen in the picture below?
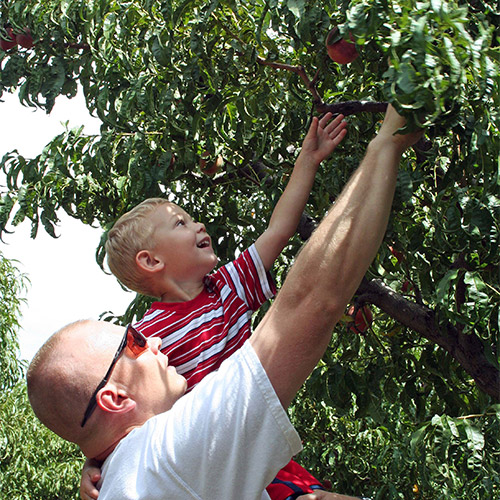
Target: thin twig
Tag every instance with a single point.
(299, 70)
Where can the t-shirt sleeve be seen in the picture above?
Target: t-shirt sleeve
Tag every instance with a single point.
(227, 438)
(247, 276)
(243, 435)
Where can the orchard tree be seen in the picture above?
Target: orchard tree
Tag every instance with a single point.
(12, 287)
(207, 102)
(34, 463)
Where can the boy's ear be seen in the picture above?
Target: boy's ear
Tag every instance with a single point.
(112, 400)
(148, 262)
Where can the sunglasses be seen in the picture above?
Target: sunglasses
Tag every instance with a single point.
(137, 344)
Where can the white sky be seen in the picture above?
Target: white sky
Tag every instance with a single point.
(66, 282)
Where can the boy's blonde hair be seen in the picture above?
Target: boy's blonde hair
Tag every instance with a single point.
(132, 233)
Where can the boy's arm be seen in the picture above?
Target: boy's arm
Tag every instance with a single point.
(322, 138)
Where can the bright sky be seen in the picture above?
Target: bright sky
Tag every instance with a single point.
(66, 282)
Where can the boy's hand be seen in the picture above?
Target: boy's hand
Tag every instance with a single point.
(91, 473)
(323, 137)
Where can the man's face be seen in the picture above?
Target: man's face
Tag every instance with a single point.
(150, 380)
(181, 243)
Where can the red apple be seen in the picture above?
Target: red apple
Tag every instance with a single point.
(341, 51)
(25, 39)
(362, 320)
(327, 484)
(213, 168)
(9, 42)
(399, 256)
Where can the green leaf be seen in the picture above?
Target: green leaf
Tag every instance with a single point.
(297, 7)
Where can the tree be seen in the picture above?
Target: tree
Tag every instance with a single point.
(34, 463)
(176, 83)
(12, 286)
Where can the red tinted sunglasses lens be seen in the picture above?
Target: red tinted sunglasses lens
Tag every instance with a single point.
(136, 342)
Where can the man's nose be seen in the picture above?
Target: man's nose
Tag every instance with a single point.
(154, 344)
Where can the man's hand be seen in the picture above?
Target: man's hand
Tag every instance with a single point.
(393, 121)
(325, 495)
(323, 136)
(91, 473)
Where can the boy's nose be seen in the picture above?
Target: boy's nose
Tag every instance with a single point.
(201, 227)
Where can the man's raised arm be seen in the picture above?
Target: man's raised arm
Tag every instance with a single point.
(294, 334)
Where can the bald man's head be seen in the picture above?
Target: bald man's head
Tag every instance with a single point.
(65, 372)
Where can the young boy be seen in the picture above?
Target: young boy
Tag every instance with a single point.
(157, 250)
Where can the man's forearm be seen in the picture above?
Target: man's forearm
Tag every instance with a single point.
(339, 252)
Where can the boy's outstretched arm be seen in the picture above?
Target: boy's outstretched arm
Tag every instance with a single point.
(323, 137)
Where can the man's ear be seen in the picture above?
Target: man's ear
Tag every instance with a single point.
(113, 400)
(148, 262)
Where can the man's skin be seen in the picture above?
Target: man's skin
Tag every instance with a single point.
(289, 341)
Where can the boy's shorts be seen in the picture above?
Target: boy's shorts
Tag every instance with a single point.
(291, 482)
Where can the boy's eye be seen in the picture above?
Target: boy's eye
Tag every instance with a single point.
(180, 222)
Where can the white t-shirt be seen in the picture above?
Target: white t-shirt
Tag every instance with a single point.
(226, 439)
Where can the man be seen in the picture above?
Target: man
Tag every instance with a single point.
(230, 435)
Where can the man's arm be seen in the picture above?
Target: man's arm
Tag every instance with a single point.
(322, 138)
(295, 332)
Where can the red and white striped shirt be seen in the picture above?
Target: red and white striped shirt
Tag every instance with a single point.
(199, 334)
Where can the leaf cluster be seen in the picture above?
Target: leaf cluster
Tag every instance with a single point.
(12, 287)
(386, 403)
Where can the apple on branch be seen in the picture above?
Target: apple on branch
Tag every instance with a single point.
(24, 39)
(8, 41)
(341, 51)
(363, 318)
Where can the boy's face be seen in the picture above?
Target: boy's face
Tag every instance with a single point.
(182, 244)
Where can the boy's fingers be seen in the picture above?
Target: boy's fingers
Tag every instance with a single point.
(340, 129)
(325, 119)
(311, 133)
(338, 120)
(337, 139)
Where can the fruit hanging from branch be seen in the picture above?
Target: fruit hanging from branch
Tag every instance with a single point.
(7, 39)
(24, 39)
(340, 50)
(399, 255)
(363, 318)
(210, 168)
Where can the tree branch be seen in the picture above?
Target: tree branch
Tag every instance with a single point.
(352, 107)
(466, 349)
